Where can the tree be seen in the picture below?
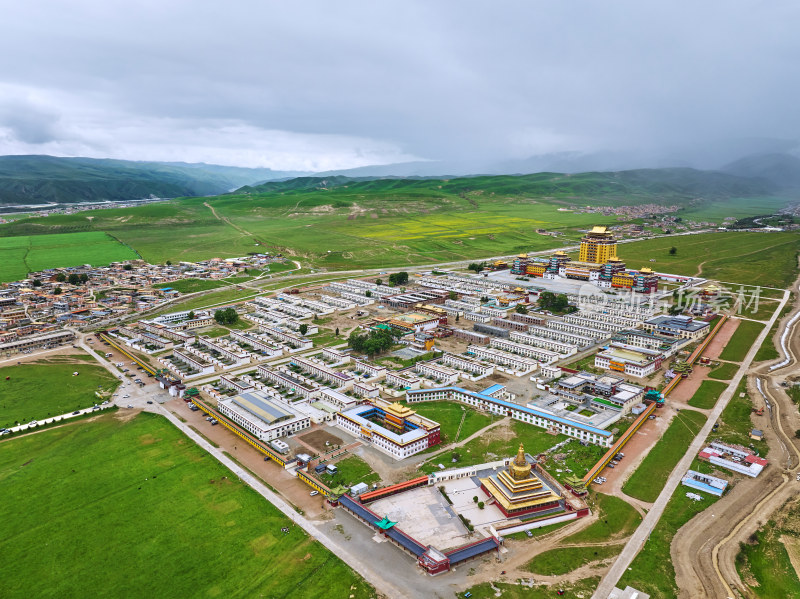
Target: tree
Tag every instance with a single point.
(480, 505)
(191, 315)
(226, 316)
(61, 277)
(452, 295)
(169, 262)
(74, 279)
(457, 315)
(379, 281)
(337, 331)
(475, 499)
(673, 250)
(484, 299)
(303, 328)
(398, 278)
(57, 291)
(37, 283)
(797, 433)
(84, 278)
(368, 293)
(520, 309)
(128, 267)
(475, 267)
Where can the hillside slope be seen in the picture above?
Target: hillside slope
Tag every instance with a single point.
(679, 185)
(49, 179)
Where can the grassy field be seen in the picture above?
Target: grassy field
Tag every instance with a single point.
(352, 470)
(47, 388)
(708, 393)
(389, 223)
(566, 559)
(749, 258)
(764, 561)
(140, 494)
(724, 372)
(213, 298)
(21, 255)
(576, 457)
(649, 478)
(495, 446)
(191, 285)
(617, 519)
(581, 588)
(448, 414)
(651, 571)
(743, 338)
(735, 421)
(768, 351)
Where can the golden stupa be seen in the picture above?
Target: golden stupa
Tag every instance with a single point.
(517, 490)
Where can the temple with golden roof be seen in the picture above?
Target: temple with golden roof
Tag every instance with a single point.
(517, 490)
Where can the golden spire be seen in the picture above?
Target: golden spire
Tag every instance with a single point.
(521, 461)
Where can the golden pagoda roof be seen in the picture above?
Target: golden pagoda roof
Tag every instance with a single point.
(598, 229)
(519, 469)
(399, 410)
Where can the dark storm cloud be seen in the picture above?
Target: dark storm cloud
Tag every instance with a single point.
(329, 85)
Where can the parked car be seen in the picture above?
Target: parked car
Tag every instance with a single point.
(313, 493)
(148, 401)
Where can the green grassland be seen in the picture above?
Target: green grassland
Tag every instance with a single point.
(566, 559)
(448, 414)
(739, 344)
(768, 351)
(616, 519)
(21, 255)
(211, 299)
(649, 478)
(134, 509)
(745, 258)
(724, 372)
(490, 446)
(735, 422)
(192, 285)
(39, 390)
(351, 471)
(387, 223)
(764, 558)
(708, 393)
(491, 590)
(651, 571)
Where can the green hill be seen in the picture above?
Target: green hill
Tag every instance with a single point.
(341, 223)
(49, 179)
(678, 185)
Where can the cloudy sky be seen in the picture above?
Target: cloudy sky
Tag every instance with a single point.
(327, 85)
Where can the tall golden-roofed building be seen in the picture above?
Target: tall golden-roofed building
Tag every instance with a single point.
(518, 490)
(598, 246)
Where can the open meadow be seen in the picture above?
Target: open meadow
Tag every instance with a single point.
(129, 507)
(48, 388)
(393, 223)
(649, 477)
(21, 255)
(738, 257)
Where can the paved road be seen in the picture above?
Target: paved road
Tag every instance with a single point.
(639, 538)
(364, 568)
(24, 427)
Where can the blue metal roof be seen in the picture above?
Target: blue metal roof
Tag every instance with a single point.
(514, 406)
(460, 554)
(492, 389)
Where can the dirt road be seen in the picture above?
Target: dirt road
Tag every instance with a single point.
(704, 550)
(641, 534)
